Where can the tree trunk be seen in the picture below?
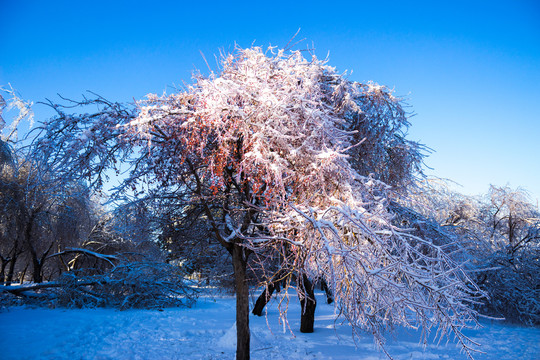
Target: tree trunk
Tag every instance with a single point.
(327, 291)
(263, 299)
(308, 304)
(11, 270)
(23, 274)
(38, 262)
(242, 303)
(37, 268)
(14, 254)
(3, 270)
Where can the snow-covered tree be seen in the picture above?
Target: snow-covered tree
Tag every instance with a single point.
(42, 213)
(499, 233)
(509, 225)
(512, 221)
(286, 157)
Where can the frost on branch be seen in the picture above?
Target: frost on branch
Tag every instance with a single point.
(10, 100)
(84, 145)
(284, 154)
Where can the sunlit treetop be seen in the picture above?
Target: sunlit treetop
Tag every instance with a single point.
(284, 123)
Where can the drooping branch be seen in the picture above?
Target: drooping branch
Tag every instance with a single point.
(104, 257)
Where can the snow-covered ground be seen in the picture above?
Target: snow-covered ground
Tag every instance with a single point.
(206, 331)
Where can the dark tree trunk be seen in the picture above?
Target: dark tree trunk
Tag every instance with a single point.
(11, 270)
(37, 263)
(308, 304)
(242, 303)
(263, 299)
(3, 270)
(23, 274)
(37, 268)
(327, 291)
(12, 259)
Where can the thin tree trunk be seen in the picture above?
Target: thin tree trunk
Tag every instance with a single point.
(3, 270)
(263, 299)
(327, 291)
(36, 265)
(23, 274)
(11, 270)
(242, 304)
(308, 304)
(12, 260)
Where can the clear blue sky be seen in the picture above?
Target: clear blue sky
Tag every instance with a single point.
(469, 69)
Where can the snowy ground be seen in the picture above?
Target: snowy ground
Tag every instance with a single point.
(206, 331)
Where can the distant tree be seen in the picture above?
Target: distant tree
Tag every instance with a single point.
(11, 242)
(11, 237)
(512, 220)
(499, 234)
(187, 239)
(41, 213)
(511, 229)
(282, 156)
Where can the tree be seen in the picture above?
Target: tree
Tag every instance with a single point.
(42, 213)
(512, 221)
(499, 234)
(11, 193)
(511, 233)
(11, 244)
(278, 153)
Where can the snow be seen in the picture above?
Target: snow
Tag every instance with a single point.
(207, 331)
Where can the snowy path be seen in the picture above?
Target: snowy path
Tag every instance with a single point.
(207, 332)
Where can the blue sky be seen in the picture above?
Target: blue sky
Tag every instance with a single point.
(469, 69)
